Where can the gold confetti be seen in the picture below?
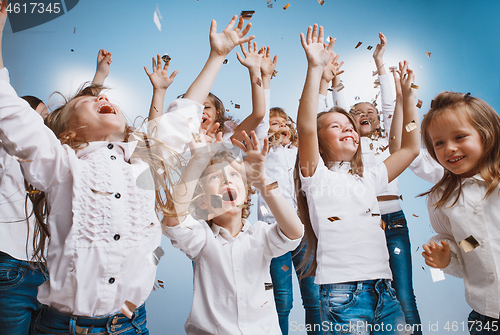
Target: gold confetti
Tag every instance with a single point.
(377, 153)
(357, 45)
(411, 126)
(382, 224)
(374, 73)
(286, 6)
(166, 58)
(32, 191)
(321, 2)
(341, 163)
(368, 211)
(339, 87)
(263, 210)
(247, 14)
(419, 103)
(384, 148)
(128, 308)
(393, 138)
(271, 186)
(225, 61)
(414, 86)
(328, 39)
(275, 73)
(236, 106)
(333, 218)
(428, 54)
(216, 201)
(256, 80)
(269, 286)
(263, 304)
(160, 281)
(375, 214)
(102, 193)
(468, 244)
(285, 268)
(369, 47)
(415, 215)
(371, 146)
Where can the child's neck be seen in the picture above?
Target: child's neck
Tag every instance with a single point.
(231, 221)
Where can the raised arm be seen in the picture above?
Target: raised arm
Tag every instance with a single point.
(255, 167)
(102, 70)
(397, 118)
(378, 54)
(3, 19)
(410, 143)
(267, 66)
(221, 45)
(331, 73)
(252, 62)
(317, 58)
(161, 81)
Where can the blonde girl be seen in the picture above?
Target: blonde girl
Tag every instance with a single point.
(462, 133)
(338, 205)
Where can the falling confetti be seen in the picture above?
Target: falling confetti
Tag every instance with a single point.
(225, 61)
(356, 98)
(272, 186)
(264, 304)
(286, 6)
(417, 248)
(414, 86)
(236, 106)
(157, 18)
(415, 215)
(397, 250)
(428, 54)
(275, 73)
(247, 14)
(437, 275)
(256, 80)
(357, 45)
(285, 268)
(263, 210)
(374, 73)
(339, 87)
(419, 103)
(321, 2)
(269, 286)
(468, 244)
(333, 218)
(72, 50)
(369, 47)
(128, 309)
(382, 224)
(411, 126)
(166, 58)
(100, 192)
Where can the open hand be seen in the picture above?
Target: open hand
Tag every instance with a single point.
(437, 256)
(160, 78)
(314, 46)
(255, 162)
(222, 43)
(253, 58)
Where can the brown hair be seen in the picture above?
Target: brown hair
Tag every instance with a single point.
(221, 117)
(485, 120)
(377, 132)
(307, 269)
(33, 101)
(275, 138)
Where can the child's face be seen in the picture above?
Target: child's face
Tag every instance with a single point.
(457, 144)
(339, 133)
(224, 188)
(209, 112)
(366, 118)
(95, 118)
(278, 123)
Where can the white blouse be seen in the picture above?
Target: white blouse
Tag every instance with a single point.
(104, 229)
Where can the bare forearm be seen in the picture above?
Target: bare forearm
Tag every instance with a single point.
(306, 116)
(199, 89)
(396, 126)
(157, 100)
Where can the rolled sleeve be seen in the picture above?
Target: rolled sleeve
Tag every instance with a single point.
(190, 236)
(277, 242)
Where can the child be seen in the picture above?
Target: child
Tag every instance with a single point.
(24, 233)
(105, 234)
(376, 145)
(232, 286)
(338, 205)
(462, 133)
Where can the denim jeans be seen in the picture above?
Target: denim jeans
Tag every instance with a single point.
(19, 281)
(361, 308)
(398, 244)
(51, 321)
(281, 274)
(483, 325)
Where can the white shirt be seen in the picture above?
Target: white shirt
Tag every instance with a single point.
(103, 227)
(232, 286)
(14, 230)
(352, 248)
(427, 167)
(477, 216)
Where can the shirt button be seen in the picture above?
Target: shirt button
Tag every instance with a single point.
(111, 280)
(113, 157)
(110, 146)
(116, 237)
(118, 195)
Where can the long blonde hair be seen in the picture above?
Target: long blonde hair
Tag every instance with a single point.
(307, 269)
(485, 120)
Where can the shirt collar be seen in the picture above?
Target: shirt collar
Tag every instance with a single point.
(341, 166)
(218, 230)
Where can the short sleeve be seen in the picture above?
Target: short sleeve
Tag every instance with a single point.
(378, 176)
(426, 167)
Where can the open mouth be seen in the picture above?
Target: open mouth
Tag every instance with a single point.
(229, 195)
(456, 159)
(347, 138)
(365, 122)
(106, 109)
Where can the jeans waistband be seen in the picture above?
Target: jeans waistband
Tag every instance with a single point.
(357, 285)
(63, 319)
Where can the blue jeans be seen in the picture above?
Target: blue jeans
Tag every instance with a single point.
(361, 308)
(483, 325)
(19, 281)
(51, 321)
(398, 244)
(281, 274)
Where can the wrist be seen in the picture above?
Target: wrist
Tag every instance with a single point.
(157, 90)
(254, 70)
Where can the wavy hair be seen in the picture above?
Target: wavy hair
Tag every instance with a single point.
(275, 137)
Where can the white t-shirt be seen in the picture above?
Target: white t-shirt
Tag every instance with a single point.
(351, 246)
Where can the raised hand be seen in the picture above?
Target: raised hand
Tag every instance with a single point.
(378, 53)
(332, 69)
(255, 162)
(437, 256)
(102, 69)
(268, 65)
(314, 46)
(253, 58)
(222, 43)
(3, 14)
(159, 77)
(407, 79)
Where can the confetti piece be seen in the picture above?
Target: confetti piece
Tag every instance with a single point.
(256, 80)
(225, 61)
(393, 68)
(269, 286)
(263, 210)
(417, 248)
(157, 254)
(32, 192)
(102, 193)
(339, 87)
(285, 268)
(414, 86)
(357, 45)
(382, 224)
(369, 47)
(236, 106)
(374, 73)
(268, 1)
(423, 268)
(128, 309)
(356, 98)
(384, 148)
(377, 153)
(216, 201)
(72, 50)
(428, 54)
(247, 14)
(397, 250)
(341, 163)
(368, 211)
(157, 18)
(160, 281)
(74, 30)
(393, 138)
(411, 126)
(263, 304)
(415, 215)
(419, 103)
(286, 6)
(196, 137)
(275, 73)
(272, 186)
(375, 214)
(437, 275)
(371, 146)
(166, 58)
(432, 103)
(333, 218)
(468, 244)
(328, 39)
(321, 2)
(270, 6)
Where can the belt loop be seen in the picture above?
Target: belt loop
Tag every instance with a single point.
(359, 287)
(72, 325)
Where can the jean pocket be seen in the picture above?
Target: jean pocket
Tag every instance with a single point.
(340, 300)
(392, 293)
(11, 275)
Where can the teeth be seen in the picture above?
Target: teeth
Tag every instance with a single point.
(106, 109)
(455, 160)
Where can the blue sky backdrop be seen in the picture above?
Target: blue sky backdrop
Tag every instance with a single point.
(462, 37)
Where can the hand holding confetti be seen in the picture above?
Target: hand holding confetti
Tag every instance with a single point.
(437, 256)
